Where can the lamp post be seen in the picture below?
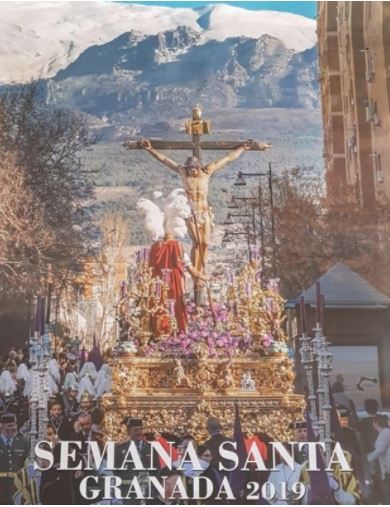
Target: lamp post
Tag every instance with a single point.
(229, 221)
(227, 235)
(253, 203)
(240, 181)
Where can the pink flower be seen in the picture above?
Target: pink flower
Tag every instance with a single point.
(267, 340)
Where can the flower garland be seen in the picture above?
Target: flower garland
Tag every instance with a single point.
(222, 343)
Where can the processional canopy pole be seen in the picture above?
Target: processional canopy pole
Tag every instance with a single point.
(318, 363)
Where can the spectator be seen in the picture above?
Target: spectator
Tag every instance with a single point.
(19, 356)
(11, 359)
(171, 495)
(365, 425)
(340, 398)
(71, 404)
(206, 457)
(381, 453)
(349, 437)
(213, 443)
(58, 487)
(83, 426)
(51, 435)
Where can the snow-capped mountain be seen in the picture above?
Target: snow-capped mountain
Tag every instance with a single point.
(38, 39)
(162, 73)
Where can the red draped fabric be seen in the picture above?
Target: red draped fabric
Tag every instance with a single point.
(169, 449)
(259, 444)
(169, 254)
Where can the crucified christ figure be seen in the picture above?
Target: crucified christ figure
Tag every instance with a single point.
(195, 179)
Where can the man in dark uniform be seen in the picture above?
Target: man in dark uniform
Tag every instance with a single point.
(13, 453)
(349, 437)
(71, 405)
(135, 432)
(299, 435)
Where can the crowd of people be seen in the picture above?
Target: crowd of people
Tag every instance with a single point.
(75, 414)
(367, 439)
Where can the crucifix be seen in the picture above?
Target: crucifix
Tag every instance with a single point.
(195, 179)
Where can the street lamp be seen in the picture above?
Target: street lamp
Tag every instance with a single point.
(240, 181)
(229, 220)
(226, 238)
(233, 204)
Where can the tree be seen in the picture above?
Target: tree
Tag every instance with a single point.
(313, 233)
(110, 264)
(25, 241)
(46, 144)
(301, 251)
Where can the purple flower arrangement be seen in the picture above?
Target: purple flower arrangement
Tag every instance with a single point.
(202, 329)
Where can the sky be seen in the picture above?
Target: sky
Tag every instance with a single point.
(308, 8)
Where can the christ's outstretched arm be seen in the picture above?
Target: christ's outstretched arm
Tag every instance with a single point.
(171, 164)
(220, 164)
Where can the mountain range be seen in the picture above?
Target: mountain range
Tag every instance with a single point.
(37, 39)
(164, 73)
(136, 69)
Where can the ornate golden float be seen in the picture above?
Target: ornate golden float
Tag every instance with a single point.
(178, 394)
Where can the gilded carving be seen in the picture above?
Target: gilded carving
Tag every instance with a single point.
(143, 387)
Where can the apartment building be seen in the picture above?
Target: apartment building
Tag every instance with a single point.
(354, 59)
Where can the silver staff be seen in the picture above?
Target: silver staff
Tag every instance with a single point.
(307, 360)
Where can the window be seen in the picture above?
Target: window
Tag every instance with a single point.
(368, 9)
(351, 141)
(346, 11)
(369, 106)
(377, 166)
(372, 112)
(370, 65)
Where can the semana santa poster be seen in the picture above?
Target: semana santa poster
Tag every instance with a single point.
(194, 294)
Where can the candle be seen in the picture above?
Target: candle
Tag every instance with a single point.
(42, 315)
(302, 314)
(171, 307)
(248, 289)
(230, 277)
(158, 289)
(123, 288)
(49, 298)
(37, 314)
(322, 312)
(318, 303)
(144, 255)
(269, 304)
(254, 252)
(166, 275)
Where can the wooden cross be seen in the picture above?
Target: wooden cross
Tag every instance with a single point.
(197, 127)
